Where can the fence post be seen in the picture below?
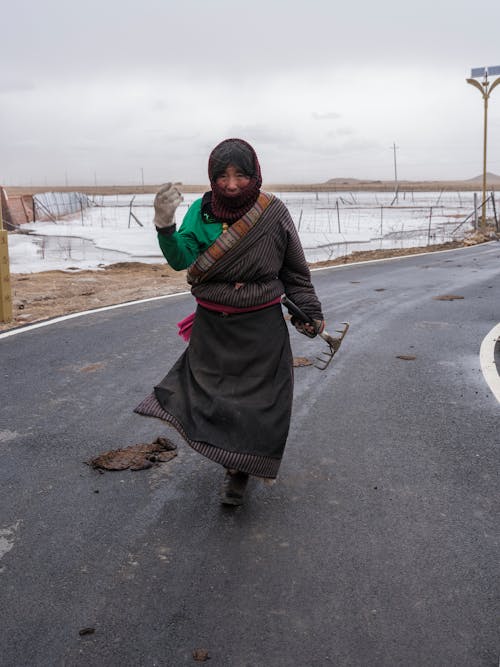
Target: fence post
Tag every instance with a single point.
(338, 215)
(429, 230)
(5, 288)
(26, 212)
(494, 209)
(475, 210)
(130, 210)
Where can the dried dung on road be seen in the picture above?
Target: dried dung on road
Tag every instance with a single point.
(136, 457)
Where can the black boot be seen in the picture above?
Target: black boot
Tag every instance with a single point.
(235, 483)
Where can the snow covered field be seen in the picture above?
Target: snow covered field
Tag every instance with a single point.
(330, 224)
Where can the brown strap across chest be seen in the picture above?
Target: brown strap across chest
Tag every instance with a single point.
(228, 239)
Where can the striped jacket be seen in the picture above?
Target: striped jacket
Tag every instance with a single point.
(267, 262)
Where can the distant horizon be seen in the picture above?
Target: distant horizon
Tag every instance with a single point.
(337, 180)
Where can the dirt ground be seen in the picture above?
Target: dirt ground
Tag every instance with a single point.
(49, 294)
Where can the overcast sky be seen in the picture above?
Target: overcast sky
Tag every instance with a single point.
(114, 91)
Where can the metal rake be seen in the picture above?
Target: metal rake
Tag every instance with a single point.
(321, 362)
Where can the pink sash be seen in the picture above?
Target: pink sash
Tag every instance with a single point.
(186, 325)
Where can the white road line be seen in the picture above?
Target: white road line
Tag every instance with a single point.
(7, 538)
(390, 259)
(54, 320)
(487, 359)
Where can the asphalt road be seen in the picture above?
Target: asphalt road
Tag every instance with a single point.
(378, 545)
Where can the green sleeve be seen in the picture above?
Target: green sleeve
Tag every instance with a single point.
(193, 237)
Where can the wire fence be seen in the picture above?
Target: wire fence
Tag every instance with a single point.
(330, 224)
(56, 205)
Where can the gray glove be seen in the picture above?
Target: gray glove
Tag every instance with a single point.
(166, 201)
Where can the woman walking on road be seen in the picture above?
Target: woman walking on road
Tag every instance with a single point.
(230, 393)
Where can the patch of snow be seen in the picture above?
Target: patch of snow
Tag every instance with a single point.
(330, 224)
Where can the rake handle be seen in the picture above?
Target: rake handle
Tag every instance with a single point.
(296, 311)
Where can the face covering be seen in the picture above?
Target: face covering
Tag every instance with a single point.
(240, 154)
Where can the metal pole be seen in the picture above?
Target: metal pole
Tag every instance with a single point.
(5, 288)
(483, 212)
(395, 172)
(486, 91)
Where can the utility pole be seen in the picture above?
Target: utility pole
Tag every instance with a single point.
(478, 72)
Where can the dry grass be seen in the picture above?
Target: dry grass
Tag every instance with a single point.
(334, 185)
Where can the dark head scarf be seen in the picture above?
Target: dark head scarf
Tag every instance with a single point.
(241, 155)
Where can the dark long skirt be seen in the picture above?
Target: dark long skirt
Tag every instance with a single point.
(230, 393)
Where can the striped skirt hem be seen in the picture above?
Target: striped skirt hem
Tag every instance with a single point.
(260, 466)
